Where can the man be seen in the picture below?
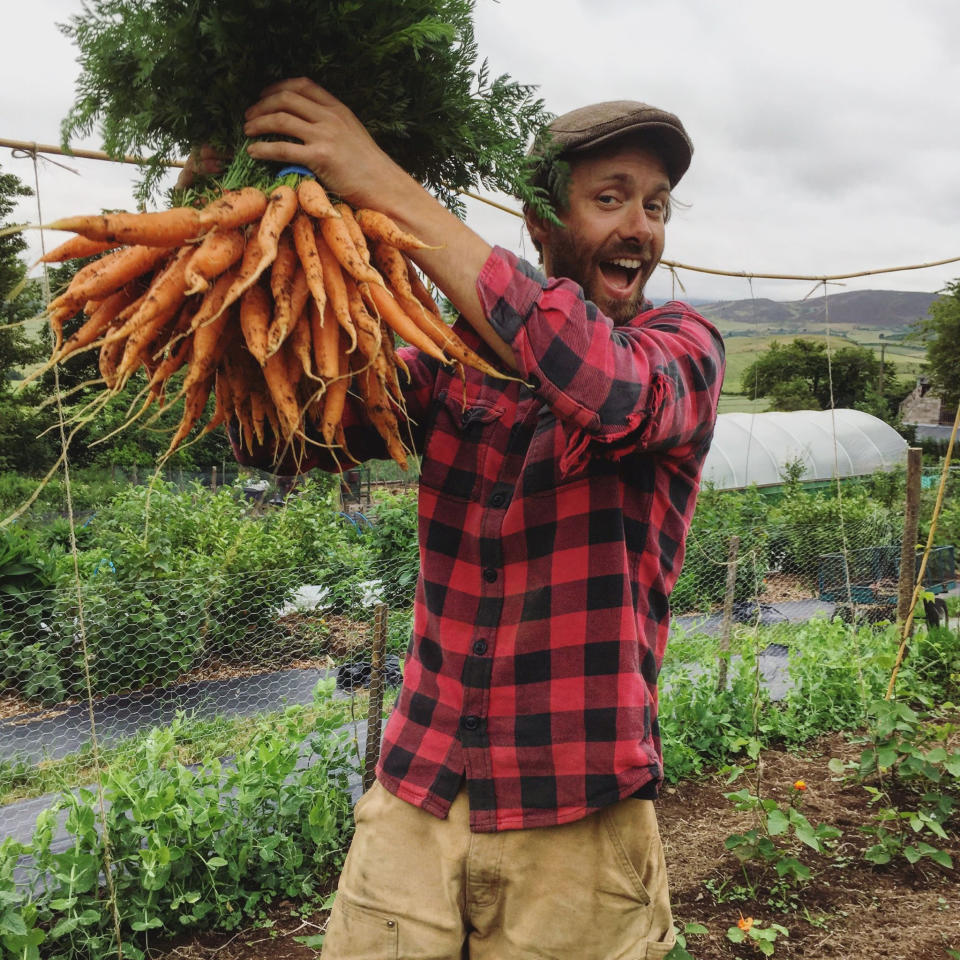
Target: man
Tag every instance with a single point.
(513, 813)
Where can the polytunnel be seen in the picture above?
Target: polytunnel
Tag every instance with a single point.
(753, 448)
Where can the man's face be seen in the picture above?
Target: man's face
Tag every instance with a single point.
(614, 227)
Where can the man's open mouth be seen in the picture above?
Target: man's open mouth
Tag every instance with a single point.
(621, 272)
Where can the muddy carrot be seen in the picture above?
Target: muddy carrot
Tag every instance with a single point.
(305, 242)
(282, 274)
(76, 248)
(378, 226)
(255, 321)
(166, 228)
(384, 305)
(336, 290)
(108, 274)
(220, 248)
(356, 234)
(234, 208)
(313, 200)
(325, 338)
(338, 239)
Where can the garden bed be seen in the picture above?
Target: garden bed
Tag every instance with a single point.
(848, 910)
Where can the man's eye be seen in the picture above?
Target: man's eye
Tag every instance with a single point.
(607, 199)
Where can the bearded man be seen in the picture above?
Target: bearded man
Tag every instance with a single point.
(513, 813)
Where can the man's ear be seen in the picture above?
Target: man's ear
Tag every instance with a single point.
(538, 228)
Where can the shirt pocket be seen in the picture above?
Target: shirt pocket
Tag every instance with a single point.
(460, 437)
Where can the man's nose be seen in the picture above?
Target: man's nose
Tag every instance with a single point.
(636, 224)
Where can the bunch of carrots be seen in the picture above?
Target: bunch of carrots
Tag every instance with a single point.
(276, 304)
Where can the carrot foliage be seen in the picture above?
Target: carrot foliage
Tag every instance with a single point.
(160, 76)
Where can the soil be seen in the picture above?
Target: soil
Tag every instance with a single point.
(849, 910)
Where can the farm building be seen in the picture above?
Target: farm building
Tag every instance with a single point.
(753, 448)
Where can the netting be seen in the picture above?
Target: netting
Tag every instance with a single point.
(195, 707)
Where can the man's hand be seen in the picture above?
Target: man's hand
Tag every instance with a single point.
(335, 145)
(203, 161)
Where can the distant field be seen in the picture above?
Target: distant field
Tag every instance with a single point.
(742, 351)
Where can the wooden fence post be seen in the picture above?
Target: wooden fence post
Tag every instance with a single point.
(375, 709)
(213, 479)
(727, 626)
(911, 524)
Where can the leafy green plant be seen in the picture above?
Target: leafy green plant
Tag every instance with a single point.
(161, 77)
(679, 951)
(911, 774)
(764, 938)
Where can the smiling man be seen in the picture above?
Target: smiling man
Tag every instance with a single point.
(513, 812)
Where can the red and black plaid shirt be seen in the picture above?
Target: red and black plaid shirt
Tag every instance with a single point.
(552, 525)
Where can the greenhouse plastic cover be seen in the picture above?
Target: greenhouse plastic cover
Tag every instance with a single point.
(753, 448)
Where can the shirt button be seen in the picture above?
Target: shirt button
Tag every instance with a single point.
(534, 381)
(480, 648)
(490, 575)
(497, 500)
(470, 723)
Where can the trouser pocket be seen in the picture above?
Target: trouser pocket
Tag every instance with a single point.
(355, 933)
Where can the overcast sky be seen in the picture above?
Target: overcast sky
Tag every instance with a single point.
(827, 134)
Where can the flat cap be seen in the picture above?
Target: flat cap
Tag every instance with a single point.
(600, 123)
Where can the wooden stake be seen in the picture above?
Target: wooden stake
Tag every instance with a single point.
(911, 525)
(727, 626)
(375, 709)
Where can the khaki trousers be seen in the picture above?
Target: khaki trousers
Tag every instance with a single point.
(415, 887)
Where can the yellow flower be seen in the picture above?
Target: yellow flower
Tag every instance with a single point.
(745, 923)
(800, 785)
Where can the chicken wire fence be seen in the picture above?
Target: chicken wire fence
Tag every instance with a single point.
(104, 661)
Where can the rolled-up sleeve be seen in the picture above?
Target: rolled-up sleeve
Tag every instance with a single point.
(652, 383)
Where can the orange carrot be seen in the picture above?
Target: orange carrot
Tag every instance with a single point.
(234, 208)
(391, 263)
(258, 412)
(221, 248)
(384, 305)
(167, 228)
(335, 396)
(420, 290)
(336, 289)
(378, 226)
(306, 244)
(110, 353)
(282, 274)
(255, 321)
(75, 248)
(108, 274)
(301, 347)
(377, 408)
(210, 341)
(325, 337)
(338, 239)
(314, 200)
(356, 234)
(282, 392)
(368, 329)
(99, 321)
(196, 400)
(209, 309)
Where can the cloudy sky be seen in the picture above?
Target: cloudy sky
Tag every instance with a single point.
(827, 133)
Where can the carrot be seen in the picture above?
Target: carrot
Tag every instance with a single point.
(283, 394)
(419, 289)
(356, 234)
(336, 289)
(75, 248)
(282, 275)
(385, 306)
(390, 262)
(314, 200)
(255, 321)
(209, 310)
(223, 403)
(163, 297)
(108, 274)
(167, 228)
(99, 321)
(325, 337)
(210, 341)
(335, 396)
(378, 410)
(110, 353)
(368, 329)
(338, 239)
(234, 208)
(194, 403)
(221, 248)
(378, 226)
(176, 357)
(258, 413)
(306, 245)
(261, 249)
(300, 345)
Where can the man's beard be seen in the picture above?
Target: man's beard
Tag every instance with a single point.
(569, 259)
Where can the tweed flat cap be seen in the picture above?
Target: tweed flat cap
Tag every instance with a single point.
(589, 127)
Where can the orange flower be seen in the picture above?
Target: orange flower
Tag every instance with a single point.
(745, 923)
(800, 785)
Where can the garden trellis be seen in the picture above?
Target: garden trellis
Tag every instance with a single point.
(93, 675)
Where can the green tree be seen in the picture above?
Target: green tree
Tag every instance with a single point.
(800, 375)
(20, 447)
(940, 331)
